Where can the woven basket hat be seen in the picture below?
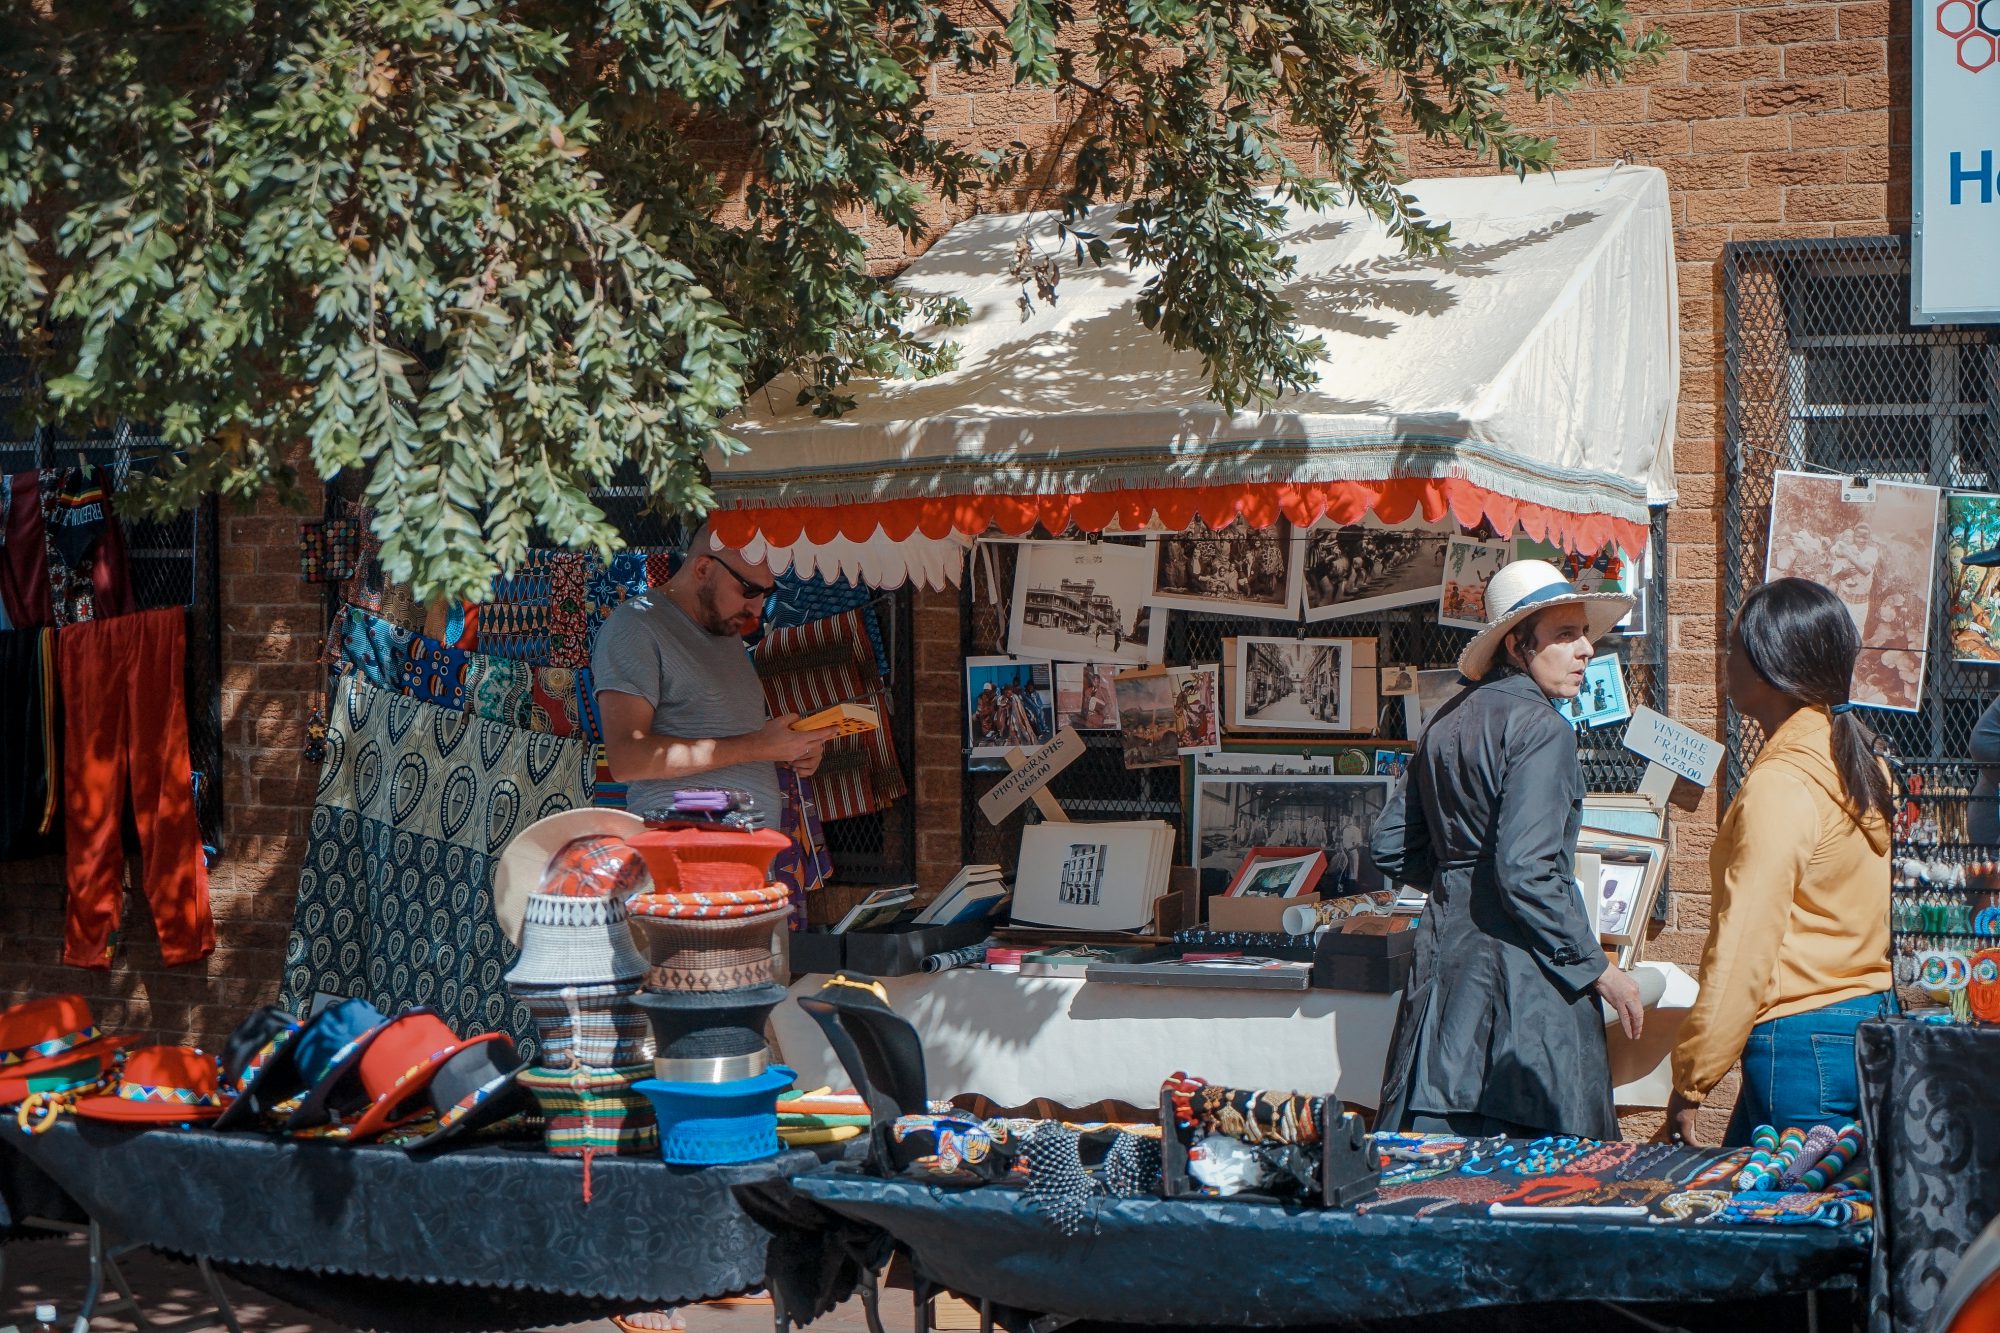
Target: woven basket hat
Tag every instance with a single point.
(589, 1027)
(595, 1110)
(704, 955)
(713, 1124)
(712, 1026)
(575, 941)
(709, 860)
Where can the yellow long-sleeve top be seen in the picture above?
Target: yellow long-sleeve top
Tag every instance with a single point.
(1800, 913)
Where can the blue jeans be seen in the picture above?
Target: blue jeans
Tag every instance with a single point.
(1799, 1070)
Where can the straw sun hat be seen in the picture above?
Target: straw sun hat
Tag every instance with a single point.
(1520, 590)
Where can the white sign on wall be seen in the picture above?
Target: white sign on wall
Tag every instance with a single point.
(1955, 166)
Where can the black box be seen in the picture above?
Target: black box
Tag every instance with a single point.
(1349, 1170)
(817, 951)
(1373, 964)
(900, 949)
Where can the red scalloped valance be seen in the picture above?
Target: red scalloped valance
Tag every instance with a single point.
(1260, 503)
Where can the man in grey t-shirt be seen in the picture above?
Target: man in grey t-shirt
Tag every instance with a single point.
(678, 695)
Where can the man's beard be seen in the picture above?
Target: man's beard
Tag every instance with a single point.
(712, 619)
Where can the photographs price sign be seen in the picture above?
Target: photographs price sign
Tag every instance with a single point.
(1955, 176)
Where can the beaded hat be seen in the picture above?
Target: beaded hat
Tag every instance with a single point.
(712, 1124)
(712, 955)
(160, 1085)
(595, 1027)
(575, 941)
(593, 1110)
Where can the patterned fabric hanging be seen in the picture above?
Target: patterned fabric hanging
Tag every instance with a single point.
(556, 700)
(827, 662)
(415, 804)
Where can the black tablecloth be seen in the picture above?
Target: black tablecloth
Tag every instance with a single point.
(1222, 1264)
(1931, 1097)
(502, 1217)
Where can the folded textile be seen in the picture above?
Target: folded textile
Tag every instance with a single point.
(800, 1138)
(786, 1118)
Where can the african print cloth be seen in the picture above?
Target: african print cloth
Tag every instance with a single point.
(555, 700)
(395, 903)
(816, 666)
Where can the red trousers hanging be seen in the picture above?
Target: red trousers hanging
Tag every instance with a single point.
(125, 722)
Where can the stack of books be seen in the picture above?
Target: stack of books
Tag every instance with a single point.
(878, 909)
(973, 894)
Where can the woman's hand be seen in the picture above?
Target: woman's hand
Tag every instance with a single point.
(1679, 1127)
(1619, 991)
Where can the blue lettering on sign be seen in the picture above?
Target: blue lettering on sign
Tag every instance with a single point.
(1982, 176)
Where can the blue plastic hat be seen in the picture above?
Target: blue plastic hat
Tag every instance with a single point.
(714, 1124)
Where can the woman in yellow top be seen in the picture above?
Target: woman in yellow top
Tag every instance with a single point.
(1798, 939)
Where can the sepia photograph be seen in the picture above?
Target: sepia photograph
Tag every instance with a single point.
(1237, 571)
(1469, 565)
(1875, 545)
(1084, 696)
(1291, 684)
(1197, 717)
(1236, 814)
(1353, 570)
(1007, 705)
(1085, 602)
(1972, 525)
(1146, 718)
(1399, 680)
(1434, 690)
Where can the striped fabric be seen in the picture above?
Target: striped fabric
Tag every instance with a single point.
(594, 1110)
(814, 666)
(586, 1027)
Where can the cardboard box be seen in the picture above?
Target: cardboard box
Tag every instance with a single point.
(1265, 914)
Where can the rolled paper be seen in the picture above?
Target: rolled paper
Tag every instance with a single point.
(1809, 1154)
(1301, 919)
(966, 957)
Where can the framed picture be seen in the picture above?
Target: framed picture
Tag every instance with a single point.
(1875, 544)
(1007, 704)
(1469, 565)
(1361, 568)
(1146, 717)
(1084, 602)
(1277, 872)
(1236, 571)
(1085, 698)
(1629, 872)
(1392, 764)
(1398, 679)
(1299, 685)
(1972, 525)
(1197, 715)
(1602, 700)
(1235, 813)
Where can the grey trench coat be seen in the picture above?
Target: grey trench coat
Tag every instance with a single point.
(1498, 1017)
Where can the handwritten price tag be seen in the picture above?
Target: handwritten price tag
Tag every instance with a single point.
(1671, 745)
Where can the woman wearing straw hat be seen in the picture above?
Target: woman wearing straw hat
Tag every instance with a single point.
(1500, 1030)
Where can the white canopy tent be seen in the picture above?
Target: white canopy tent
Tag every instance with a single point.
(1529, 375)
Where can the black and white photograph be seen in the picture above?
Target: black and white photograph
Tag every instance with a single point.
(1353, 570)
(1091, 876)
(1291, 684)
(1083, 874)
(1238, 570)
(1237, 813)
(1085, 602)
(1008, 704)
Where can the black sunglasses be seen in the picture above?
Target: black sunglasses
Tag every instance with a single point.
(755, 591)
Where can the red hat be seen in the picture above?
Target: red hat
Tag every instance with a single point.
(53, 1032)
(719, 860)
(160, 1085)
(398, 1066)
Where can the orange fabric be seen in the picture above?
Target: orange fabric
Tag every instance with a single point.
(1980, 1313)
(1261, 503)
(125, 725)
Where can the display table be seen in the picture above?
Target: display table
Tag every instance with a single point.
(504, 1217)
(1012, 1038)
(1286, 1267)
(1930, 1097)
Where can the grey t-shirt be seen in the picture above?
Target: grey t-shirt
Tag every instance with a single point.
(702, 686)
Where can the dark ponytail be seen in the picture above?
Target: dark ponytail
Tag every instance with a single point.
(1800, 638)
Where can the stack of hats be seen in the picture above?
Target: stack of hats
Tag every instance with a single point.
(52, 1054)
(711, 924)
(560, 892)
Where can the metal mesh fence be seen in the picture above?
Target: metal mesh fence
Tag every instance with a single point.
(171, 564)
(1824, 372)
(1099, 786)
